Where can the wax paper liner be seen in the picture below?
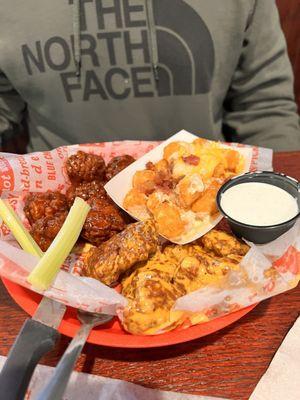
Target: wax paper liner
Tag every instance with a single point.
(80, 292)
(43, 171)
(266, 271)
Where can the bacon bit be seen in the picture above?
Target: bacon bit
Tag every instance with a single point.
(150, 166)
(192, 160)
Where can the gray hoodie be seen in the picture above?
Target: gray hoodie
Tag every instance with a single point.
(100, 70)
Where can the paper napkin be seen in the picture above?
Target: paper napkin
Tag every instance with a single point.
(93, 387)
(282, 379)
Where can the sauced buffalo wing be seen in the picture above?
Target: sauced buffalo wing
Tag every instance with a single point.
(86, 190)
(45, 229)
(117, 164)
(135, 244)
(40, 205)
(85, 167)
(87, 172)
(103, 221)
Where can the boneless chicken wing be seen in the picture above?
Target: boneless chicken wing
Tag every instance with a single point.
(85, 167)
(174, 271)
(151, 296)
(46, 228)
(108, 261)
(86, 190)
(117, 164)
(103, 221)
(40, 205)
(223, 244)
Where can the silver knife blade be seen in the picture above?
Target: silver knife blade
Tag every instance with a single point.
(50, 312)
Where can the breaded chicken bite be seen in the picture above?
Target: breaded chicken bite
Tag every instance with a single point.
(85, 167)
(45, 229)
(103, 221)
(86, 190)
(117, 164)
(120, 253)
(40, 205)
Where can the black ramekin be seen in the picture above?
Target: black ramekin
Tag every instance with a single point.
(261, 234)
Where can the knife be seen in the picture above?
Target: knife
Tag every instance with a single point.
(37, 337)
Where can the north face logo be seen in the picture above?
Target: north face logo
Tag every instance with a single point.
(116, 52)
(185, 48)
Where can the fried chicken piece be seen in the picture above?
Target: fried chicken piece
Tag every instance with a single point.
(86, 190)
(201, 269)
(103, 221)
(151, 295)
(107, 262)
(40, 205)
(46, 228)
(153, 287)
(223, 244)
(117, 164)
(85, 167)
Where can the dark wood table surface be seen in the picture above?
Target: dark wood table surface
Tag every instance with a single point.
(227, 364)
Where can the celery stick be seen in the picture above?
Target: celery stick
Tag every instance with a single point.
(21, 234)
(47, 268)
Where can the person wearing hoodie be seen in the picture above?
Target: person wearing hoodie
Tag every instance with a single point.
(78, 71)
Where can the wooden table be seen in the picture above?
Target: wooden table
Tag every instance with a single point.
(226, 364)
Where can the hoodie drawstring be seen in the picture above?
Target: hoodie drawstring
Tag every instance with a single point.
(76, 31)
(152, 37)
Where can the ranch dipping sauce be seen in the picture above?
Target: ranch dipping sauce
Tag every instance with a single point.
(259, 204)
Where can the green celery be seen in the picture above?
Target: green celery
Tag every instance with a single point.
(47, 268)
(17, 228)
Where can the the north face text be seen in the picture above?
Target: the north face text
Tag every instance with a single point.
(116, 58)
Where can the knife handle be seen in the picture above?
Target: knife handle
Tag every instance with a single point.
(34, 340)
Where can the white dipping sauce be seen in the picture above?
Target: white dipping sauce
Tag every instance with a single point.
(259, 204)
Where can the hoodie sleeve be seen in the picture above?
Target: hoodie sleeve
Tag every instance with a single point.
(11, 112)
(260, 107)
